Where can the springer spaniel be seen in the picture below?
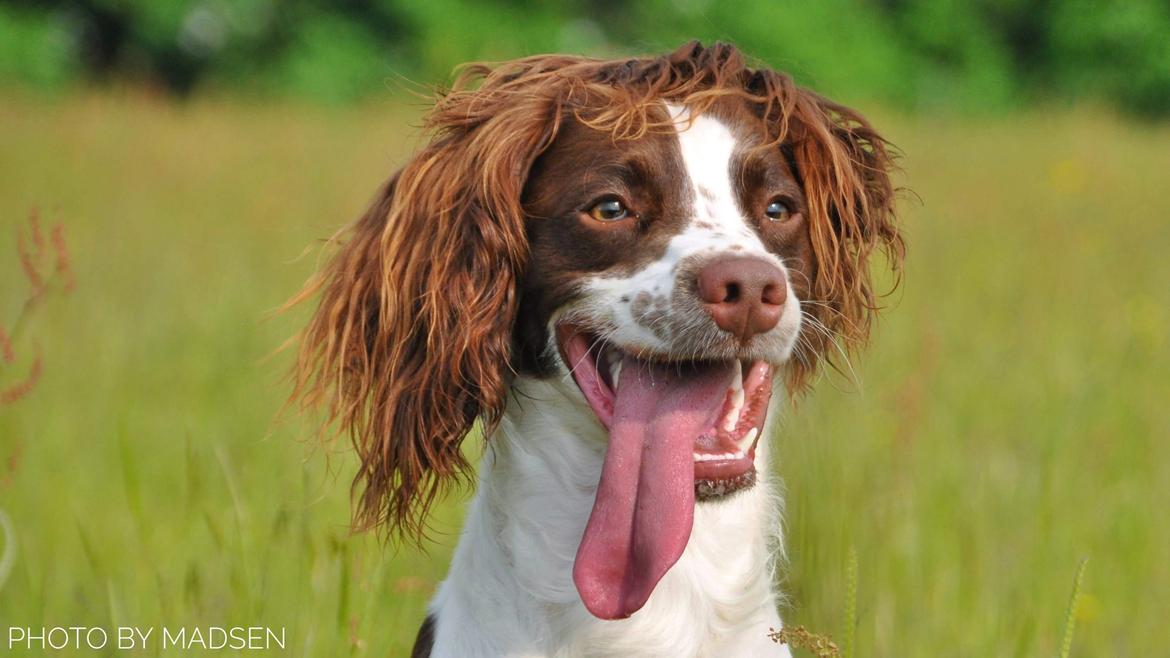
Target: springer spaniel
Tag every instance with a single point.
(607, 265)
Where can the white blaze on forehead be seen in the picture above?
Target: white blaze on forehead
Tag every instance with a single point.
(707, 146)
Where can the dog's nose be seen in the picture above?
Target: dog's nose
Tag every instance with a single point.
(744, 296)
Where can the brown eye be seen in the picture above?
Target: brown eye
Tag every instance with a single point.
(609, 210)
(778, 211)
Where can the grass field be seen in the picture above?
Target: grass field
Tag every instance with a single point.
(1012, 417)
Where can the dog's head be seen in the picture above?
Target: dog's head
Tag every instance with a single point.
(675, 232)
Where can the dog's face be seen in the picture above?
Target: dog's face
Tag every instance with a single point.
(676, 234)
(679, 257)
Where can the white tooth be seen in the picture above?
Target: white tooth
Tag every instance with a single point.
(732, 418)
(745, 443)
(740, 455)
(616, 369)
(708, 457)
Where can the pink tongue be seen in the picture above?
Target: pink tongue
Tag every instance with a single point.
(645, 503)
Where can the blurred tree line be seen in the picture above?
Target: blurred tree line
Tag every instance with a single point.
(916, 54)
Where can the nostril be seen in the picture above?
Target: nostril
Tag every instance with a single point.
(732, 293)
(774, 294)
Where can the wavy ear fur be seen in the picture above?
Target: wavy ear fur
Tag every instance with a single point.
(844, 166)
(411, 340)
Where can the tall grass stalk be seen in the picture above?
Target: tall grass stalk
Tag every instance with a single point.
(8, 557)
(850, 604)
(1070, 617)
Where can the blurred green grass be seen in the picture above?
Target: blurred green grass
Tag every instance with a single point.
(1010, 419)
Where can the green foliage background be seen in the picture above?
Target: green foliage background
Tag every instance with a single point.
(985, 55)
(1010, 419)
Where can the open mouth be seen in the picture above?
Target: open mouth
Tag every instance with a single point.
(728, 400)
(679, 431)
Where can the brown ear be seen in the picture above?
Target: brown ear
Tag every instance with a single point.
(844, 166)
(411, 341)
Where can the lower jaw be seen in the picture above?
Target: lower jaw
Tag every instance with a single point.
(716, 479)
(707, 490)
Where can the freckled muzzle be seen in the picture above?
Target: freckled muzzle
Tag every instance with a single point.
(727, 306)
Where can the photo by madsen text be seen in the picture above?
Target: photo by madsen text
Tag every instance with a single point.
(129, 638)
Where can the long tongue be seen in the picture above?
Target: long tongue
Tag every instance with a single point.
(645, 502)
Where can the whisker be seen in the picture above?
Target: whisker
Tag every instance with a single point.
(597, 341)
(832, 339)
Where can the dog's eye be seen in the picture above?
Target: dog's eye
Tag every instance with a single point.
(778, 211)
(610, 209)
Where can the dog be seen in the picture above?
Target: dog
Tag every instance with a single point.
(607, 268)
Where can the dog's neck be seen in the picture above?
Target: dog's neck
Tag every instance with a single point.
(511, 577)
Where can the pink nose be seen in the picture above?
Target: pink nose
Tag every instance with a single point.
(744, 296)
